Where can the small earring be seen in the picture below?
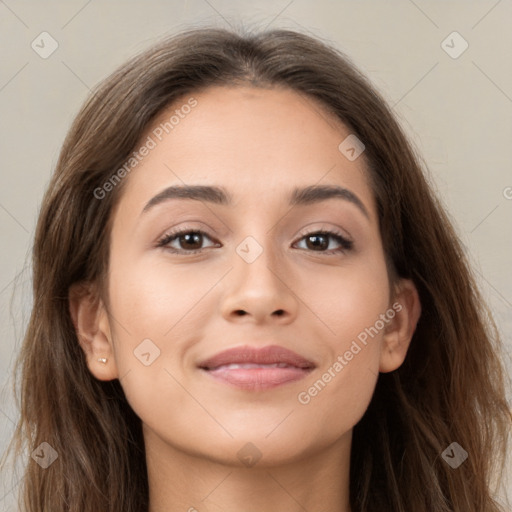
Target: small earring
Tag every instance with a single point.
(103, 360)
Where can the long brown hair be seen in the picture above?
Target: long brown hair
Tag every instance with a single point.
(451, 386)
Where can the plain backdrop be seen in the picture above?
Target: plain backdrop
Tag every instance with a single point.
(455, 104)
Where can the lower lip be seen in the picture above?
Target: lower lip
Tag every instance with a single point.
(258, 378)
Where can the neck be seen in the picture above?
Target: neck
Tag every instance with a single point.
(185, 482)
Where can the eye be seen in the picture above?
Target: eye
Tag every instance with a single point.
(188, 240)
(318, 241)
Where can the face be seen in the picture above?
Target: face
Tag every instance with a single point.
(190, 278)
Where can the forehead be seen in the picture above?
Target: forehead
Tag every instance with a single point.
(258, 143)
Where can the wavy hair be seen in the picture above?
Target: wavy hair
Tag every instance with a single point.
(451, 386)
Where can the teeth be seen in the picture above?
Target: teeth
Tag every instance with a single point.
(235, 366)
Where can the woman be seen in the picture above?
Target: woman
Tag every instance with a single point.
(246, 296)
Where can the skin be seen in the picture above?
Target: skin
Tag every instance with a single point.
(187, 305)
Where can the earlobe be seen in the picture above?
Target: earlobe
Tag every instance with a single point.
(91, 323)
(399, 332)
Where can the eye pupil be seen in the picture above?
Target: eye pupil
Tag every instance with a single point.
(194, 237)
(316, 243)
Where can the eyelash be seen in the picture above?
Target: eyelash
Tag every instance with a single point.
(346, 245)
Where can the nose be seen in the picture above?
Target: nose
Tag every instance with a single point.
(260, 291)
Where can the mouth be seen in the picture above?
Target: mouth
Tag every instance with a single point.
(257, 369)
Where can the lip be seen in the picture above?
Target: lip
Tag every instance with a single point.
(256, 374)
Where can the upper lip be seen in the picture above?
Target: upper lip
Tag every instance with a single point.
(270, 354)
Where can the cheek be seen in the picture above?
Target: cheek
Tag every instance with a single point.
(348, 299)
(157, 314)
(351, 328)
(154, 311)
(150, 300)
(351, 302)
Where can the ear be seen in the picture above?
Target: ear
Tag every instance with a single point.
(400, 329)
(92, 327)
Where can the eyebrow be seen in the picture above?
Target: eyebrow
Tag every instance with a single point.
(218, 195)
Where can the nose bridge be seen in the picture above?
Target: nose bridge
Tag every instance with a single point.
(258, 284)
(259, 250)
(258, 261)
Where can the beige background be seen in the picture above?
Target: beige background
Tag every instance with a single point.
(458, 112)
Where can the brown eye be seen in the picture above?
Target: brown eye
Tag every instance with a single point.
(320, 242)
(190, 241)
